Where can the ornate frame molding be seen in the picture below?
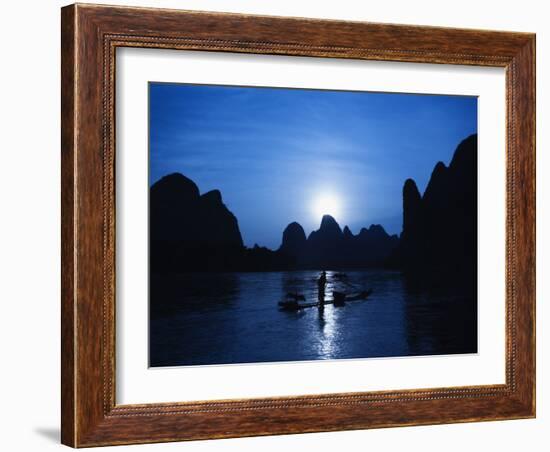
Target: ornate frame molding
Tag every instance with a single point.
(90, 37)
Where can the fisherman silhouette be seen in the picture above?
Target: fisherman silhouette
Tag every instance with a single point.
(321, 283)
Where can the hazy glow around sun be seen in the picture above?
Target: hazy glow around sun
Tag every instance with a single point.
(327, 204)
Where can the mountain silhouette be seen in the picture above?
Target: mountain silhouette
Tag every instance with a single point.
(294, 243)
(325, 246)
(194, 232)
(328, 231)
(190, 231)
(439, 238)
(330, 247)
(438, 243)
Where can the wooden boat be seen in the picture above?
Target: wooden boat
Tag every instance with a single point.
(339, 299)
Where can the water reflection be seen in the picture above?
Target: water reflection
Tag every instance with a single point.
(196, 291)
(233, 318)
(328, 329)
(441, 323)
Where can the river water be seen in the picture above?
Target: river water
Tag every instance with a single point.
(230, 318)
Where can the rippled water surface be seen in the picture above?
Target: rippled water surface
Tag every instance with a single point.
(199, 319)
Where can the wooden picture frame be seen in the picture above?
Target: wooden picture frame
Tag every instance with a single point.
(90, 36)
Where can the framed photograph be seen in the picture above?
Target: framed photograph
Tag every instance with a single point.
(281, 225)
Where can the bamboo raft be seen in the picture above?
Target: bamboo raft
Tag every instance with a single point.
(339, 299)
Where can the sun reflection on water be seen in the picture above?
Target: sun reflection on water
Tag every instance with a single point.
(327, 333)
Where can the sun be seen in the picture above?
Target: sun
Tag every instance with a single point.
(326, 204)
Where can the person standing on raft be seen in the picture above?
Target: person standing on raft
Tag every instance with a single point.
(321, 283)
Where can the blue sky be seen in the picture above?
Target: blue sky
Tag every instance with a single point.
(273, 152)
